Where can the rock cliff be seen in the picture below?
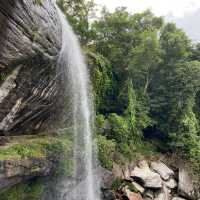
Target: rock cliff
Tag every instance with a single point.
(31, 98)
(30, 87)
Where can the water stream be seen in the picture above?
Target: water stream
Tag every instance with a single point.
(76, 72)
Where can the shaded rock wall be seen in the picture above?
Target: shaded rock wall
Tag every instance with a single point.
(30, 83)
(13, 172)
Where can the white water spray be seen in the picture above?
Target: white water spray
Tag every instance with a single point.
(75, 71)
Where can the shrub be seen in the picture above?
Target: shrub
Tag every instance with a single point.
(31, 190)
(119, 128)
(106, 151)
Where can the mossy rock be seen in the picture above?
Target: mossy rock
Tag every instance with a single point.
(39, 2)
(34, 156)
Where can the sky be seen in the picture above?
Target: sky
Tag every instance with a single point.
(186, 13)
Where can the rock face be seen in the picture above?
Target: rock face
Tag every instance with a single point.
(31, 86)
(106, 177)
(108, 195)
(26, 157)
(13, 172)
(30, 82)
(185, 186)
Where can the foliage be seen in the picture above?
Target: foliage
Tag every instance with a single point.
(106, 151)
(39, 2)
(31, 190)
(102, 80)
(145, 74)
(174, 93)
(116, 184)
(30, 147)
(119, 128)
(78, 12)
(175, 44)
(144, 61)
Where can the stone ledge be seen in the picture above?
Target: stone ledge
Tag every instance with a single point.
(24, 157)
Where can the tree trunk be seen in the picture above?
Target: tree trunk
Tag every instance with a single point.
(146, 85)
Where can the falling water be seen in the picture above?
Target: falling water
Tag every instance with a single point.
(76, 74)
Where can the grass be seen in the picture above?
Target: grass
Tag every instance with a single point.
(36, 147)
(24, 147)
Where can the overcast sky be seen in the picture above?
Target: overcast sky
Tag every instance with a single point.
(186, 13)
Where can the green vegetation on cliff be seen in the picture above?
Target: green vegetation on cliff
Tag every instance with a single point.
(24, 147)
(37, 155)
(146, 76)
(31, 190)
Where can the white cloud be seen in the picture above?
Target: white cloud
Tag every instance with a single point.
(159, 7)
(189, 22)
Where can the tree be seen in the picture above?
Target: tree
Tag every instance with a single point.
(117, 33)
(101, 75)
(175, 44)
(175, 94)
(79, 12)
(144, 61)
(195, 55)
(146, 78)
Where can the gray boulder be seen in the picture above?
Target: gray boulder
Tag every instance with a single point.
(149, 178)
(149, 194)
(138, 187)
(164, 171)
(163, 194)
(171, 183)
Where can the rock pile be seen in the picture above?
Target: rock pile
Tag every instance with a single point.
(155, 181)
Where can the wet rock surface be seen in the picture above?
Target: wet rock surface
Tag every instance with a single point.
(30, 42)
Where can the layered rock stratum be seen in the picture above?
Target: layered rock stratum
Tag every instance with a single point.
(30, 81)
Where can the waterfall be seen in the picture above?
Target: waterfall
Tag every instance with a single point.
(76, 73)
